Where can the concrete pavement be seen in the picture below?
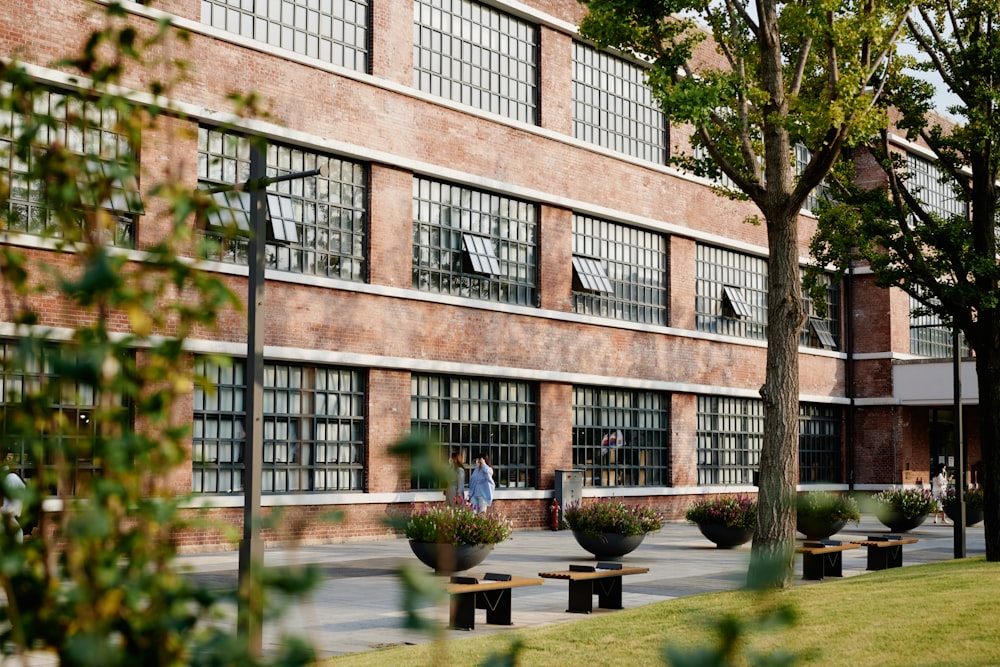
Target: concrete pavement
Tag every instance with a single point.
(358, 605)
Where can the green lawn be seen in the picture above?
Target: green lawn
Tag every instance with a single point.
(938, 614)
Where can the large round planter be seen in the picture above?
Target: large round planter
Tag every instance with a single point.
(818, 528)
(448, 558)
(896, 522)
(725, 537)
(972, 516)
(610, 546)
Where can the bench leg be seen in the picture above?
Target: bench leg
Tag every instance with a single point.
(581, 597)
(497, 606)
(463, 611)
(609, 593)
(833, 564)
(882, 558)
(812, 566)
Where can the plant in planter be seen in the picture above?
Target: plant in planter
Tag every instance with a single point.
(973, 505)
(903, 509)
(729, 521)
(820, 514)
(452, 539)
(608, 528)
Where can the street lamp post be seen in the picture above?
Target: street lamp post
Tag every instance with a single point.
(250, 614)
(959, 518)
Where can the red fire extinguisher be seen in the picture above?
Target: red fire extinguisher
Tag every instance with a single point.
(554, 515)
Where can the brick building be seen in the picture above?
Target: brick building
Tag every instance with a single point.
(499, 255)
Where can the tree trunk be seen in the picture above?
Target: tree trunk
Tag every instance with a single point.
(772, 556)
(988, 371)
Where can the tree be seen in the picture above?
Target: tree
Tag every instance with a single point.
(89, 415)
(947, 260)
(793, 73)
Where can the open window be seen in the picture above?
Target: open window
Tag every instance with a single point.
(281, 211)
(734, 304)
(124, 194)
(822, 332)
(233, 210)
(478, 255)
(589, 275)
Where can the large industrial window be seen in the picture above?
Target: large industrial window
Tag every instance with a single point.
(620, 437)
(822, 330)
(317, 224)
(731, 433)
(313, 428)
(801, 160)
(474, 244)
(613, 106)
(67, 431)
(88, 129)
(819, 443)
(474, 54)
(730, 293)
(731, 299)
(930, 336)
(932, 187)
(335, 31)
(477, 415)
(619, 271)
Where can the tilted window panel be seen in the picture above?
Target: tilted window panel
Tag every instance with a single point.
(477, 415)
(734, 302)
(621, 437)
(590, 275)
(480, 255)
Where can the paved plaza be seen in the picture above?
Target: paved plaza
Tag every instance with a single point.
(357, 606)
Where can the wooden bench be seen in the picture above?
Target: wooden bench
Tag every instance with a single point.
(585, 581)
(885, 551)
(491, 593)
(823, 559)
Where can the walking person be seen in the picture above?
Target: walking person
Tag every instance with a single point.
(13, 489)
(481, 483)
(939, 486)
(455, 493)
